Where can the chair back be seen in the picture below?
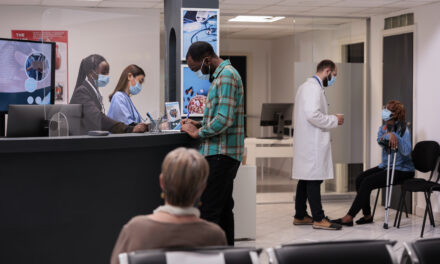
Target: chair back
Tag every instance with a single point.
(423, 251)
(341, 252)
(425, 156)
(208, 255)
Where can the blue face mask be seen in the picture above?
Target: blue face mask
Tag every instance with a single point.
(102, 80)
(200, 74)
(134, 90)
(331, 81)
(386, 114)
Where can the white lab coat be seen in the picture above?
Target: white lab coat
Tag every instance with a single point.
(312, 154)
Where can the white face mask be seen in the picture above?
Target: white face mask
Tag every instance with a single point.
(200, 74)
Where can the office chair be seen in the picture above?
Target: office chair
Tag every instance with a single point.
(341, 252)
(229, 255)
(425, 157)
(423, 251)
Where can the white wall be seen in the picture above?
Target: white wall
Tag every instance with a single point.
(312, 46)
(122, 36)
(426, 123)
(258, 76)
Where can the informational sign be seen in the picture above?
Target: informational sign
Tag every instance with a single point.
(193, 93)
(61, 57)
(199, 25)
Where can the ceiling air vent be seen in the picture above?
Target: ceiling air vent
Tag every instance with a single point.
(399, 21)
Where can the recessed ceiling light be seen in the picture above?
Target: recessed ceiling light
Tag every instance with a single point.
(257, 19)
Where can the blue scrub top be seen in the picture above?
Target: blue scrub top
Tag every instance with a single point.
(123, 110)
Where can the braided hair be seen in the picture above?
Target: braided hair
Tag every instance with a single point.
(88, 65)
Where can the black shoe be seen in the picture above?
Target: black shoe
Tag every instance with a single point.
(326, 225)
(339, 222)
(363, 221)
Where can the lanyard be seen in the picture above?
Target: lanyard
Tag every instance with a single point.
(98, 95)
(317, 79)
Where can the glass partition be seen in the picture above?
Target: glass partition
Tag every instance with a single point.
(282, 57)
(91, 58)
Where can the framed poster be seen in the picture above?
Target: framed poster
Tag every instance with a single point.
(193, 92)
(199, 25)
(61, 59)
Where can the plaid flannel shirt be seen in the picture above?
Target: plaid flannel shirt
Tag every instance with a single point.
(222, 130)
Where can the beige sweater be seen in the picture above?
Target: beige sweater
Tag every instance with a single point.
(142, 233)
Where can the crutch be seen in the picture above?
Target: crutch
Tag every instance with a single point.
(389, 186)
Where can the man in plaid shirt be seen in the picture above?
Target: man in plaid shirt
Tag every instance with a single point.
(221, 132)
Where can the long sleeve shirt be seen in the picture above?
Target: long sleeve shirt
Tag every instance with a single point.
(222, 130)
(403, 157)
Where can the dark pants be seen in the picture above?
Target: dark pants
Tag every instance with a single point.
(217, 201)
(309, 190)
(372, 179)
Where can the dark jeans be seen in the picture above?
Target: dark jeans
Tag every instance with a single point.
(309, 190)
(372, 179)
(217, 201)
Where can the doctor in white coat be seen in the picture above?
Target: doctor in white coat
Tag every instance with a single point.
(312, 156)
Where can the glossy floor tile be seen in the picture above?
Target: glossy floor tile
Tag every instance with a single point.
(275, 215)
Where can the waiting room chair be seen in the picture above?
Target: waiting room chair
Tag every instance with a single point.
(228, 255)
(425, 157)
(423, 251)
(340, 252)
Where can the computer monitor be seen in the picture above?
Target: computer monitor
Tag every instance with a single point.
(277, 115)
(27, 72)
(33, 120)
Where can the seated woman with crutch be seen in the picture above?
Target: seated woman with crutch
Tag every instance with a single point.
(393, 135)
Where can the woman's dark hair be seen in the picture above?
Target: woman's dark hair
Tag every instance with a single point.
(89, 64)
(199, 50)
(123, 80)
(398, 110)
(325, 64)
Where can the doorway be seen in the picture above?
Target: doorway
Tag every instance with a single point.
(398, 85)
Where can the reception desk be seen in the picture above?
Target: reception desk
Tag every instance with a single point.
(64, 200)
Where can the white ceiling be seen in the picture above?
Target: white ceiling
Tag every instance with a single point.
(342, 9)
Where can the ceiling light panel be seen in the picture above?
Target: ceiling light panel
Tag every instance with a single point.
(256, 19)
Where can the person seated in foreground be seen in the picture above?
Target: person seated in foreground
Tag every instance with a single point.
(176, 224)
(393, 134)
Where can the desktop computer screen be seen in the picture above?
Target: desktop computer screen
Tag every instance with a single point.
(34, 120)
(27, 72)
(277, 115)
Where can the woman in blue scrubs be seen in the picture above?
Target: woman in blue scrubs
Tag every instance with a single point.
(122, 108)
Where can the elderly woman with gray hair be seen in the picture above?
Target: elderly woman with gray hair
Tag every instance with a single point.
(177, 223)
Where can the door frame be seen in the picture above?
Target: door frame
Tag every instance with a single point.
(394, 32)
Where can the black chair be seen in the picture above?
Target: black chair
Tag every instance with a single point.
(232, 255)
(425, 157)
(423, 251)
(341, 252)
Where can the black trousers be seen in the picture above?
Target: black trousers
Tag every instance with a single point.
(217, 201)
(372, 179)
(309, 190)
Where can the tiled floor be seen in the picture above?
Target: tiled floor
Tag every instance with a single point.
(274, 225)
